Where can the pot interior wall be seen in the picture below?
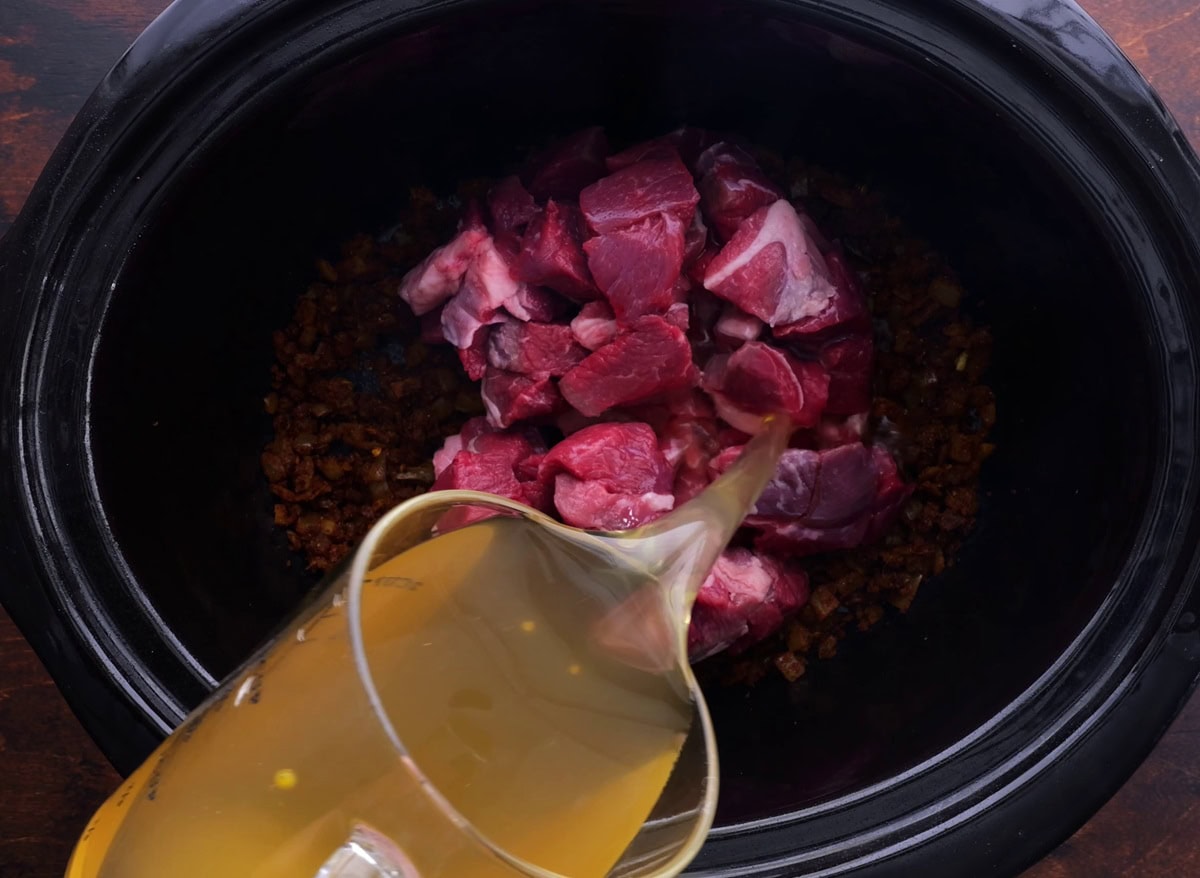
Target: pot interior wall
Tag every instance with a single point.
(183, 363)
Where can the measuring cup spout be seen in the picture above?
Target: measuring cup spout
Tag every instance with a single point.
(680, 549)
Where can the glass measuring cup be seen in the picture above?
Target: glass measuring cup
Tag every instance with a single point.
(499, 697)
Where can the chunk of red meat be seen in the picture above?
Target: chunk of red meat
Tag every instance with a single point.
(845, 312)
(891, 495)
(568, 165)
(477, 436)
(639, 191)
(745, 598)
(486, 288)
(538, 350)
(511, 208)
(476, 472)
(595, 325)
(552, 253)
(836, 498)
(624, 457)
(849, 362)
(650, 358)
(591, 505)
(678, 316)
(771, 268)
(609, 477)
(480, 458)
(687, 404)
(474, 356)
(735, 327)
(797, 539)
(536, 304)
(688, 444)
(757, 380)
(732, 188)
(439, 275)
(510, 397)
(660, 148)
(636, 268)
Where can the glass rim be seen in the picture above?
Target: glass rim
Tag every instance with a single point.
(357, 573)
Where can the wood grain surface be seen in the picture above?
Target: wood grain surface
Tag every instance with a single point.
(53, 52)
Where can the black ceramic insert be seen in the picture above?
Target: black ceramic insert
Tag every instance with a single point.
(180, 219)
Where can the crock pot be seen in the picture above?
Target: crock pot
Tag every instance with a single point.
(236, 141)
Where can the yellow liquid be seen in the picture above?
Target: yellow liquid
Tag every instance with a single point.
(481, 645)
(517, 696)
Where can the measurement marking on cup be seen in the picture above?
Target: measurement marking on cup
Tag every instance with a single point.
(396, 582)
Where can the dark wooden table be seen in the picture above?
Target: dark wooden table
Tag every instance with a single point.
(52, 53)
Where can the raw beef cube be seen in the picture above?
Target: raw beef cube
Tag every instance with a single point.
(732, 188)
(650, 358)
(479, 437)
(511, 207)
(538, 350)
(624, 457)
(569, 165)
(848, 362)
(831, 499)
(595, 326)
(636, 268)
(891, 495)
(639, 191)
(466, 316)
(745, 598)
(792, 488)
(591, 505)
(771, 268)
(440, 274)
(847, 478)
(510, 397)
(845, 312)
(536, 304)
(660, 148)
(685, 143)
(474, 356)
(757, 380)
(552, 253)
(678, 316)
(444, 455)
(480, 458)
(795, 538)
(735, 327)
(486, 288)
(476, 472)
(609, 477)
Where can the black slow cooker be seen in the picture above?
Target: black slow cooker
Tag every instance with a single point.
(178, 220)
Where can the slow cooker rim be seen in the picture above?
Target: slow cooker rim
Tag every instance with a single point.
(99, 113)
